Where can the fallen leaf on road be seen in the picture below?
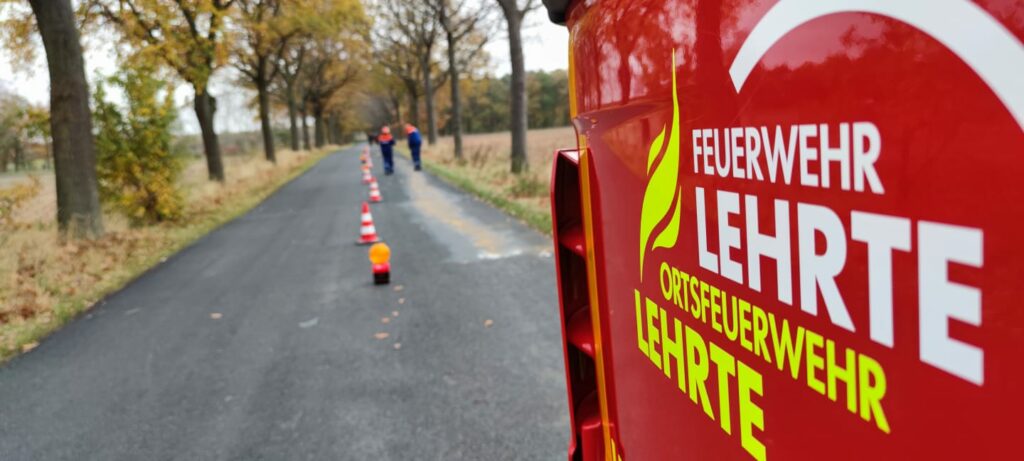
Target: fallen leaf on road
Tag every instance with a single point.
(381, 335)
(401, 300)
(309, 323)
(216, 315)
(398, 346)
(394, 313)
(488, 323)
(29, 346)
(385, 320)
(399, 288)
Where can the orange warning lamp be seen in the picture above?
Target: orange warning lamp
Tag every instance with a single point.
(380, 255)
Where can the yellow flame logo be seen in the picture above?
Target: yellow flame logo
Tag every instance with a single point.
(662, 186)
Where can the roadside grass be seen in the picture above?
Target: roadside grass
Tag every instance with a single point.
(45, 283)
(484, 171)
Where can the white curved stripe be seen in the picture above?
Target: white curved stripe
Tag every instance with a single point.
(968, 31)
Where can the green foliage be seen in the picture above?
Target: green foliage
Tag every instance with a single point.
(547, 98)
(526, 185)
(485, 101)
(136, 165)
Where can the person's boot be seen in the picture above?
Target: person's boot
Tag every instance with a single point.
(418, 168)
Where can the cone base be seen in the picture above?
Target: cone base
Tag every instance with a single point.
(382, 278)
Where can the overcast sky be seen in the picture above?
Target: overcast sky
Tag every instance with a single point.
(546, 45)
(545, 48)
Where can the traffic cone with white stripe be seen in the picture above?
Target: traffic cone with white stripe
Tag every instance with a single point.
(367, 232)
(374, 192)
(367, 177)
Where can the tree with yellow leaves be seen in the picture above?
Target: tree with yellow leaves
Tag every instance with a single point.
(338, 56)
(187, 36)
(263, 33)
(136, 163)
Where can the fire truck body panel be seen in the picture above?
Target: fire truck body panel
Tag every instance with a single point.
(800, 223)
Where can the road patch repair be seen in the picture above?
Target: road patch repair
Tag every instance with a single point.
(465, 225)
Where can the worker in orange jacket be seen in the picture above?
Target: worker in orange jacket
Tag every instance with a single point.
(387, 144)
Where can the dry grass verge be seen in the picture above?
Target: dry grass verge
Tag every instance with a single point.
(484, 171)
(44, 284)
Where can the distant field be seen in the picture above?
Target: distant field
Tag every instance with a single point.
(485, 169)
(492, 148)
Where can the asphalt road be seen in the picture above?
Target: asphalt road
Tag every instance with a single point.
(292, 368)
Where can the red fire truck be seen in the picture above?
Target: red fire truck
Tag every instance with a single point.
(791, 229)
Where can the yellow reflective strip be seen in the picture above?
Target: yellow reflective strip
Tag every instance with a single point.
(588, 230)
(595, 317)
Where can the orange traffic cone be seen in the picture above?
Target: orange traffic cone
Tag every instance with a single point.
(374, 191)
(369, 160)
(367, 177)
(362, 157)
(367, 233)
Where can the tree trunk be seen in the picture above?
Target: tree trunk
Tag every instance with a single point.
(20, 162)
(428, 94)
(396, 102)
(336, 129)
(49, 153)
(318, 127)
(264, 97)
(293, 127)
(517, 96)
(78, 204)
(456, 111)
(305, 126)
(205, 107)
(414, 109)
(327, 129)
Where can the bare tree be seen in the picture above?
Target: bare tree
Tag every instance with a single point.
(78, 205)
(330, 68)
(419, 30)
(514, 15)
(400, 61)
(457, 23)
